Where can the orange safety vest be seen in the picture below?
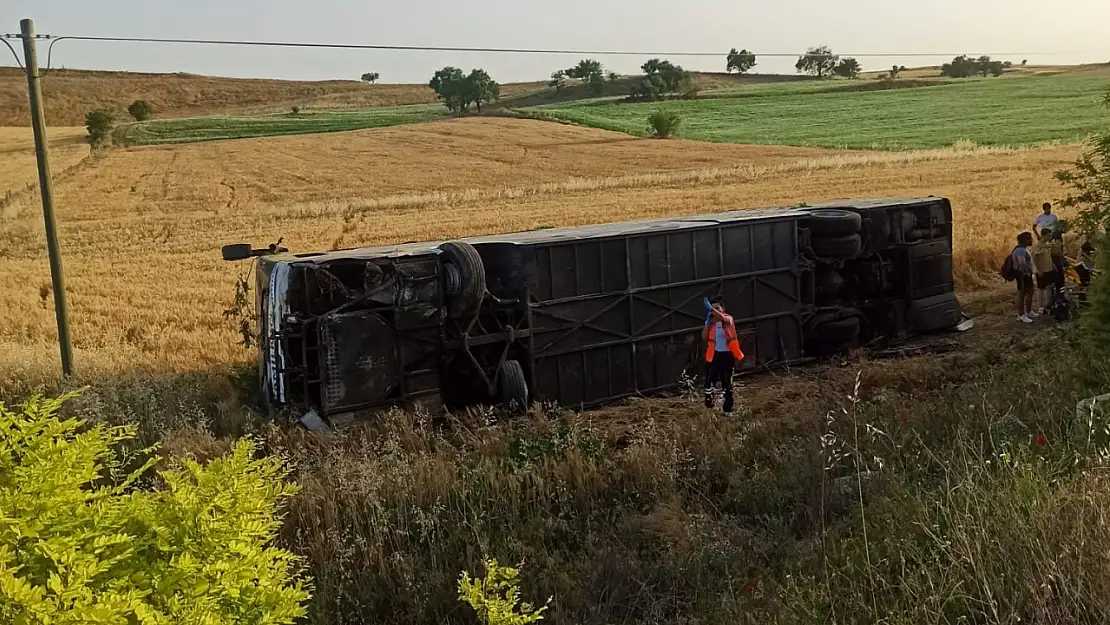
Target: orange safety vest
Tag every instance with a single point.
(729, 327)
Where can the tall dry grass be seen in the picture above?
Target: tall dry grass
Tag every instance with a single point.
(981, 500)
(953, 488)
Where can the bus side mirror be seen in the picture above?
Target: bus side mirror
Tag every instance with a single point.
(237, 251)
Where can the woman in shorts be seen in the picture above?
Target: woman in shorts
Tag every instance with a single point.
(1023, 269)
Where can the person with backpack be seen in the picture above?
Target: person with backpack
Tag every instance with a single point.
(1018, 267)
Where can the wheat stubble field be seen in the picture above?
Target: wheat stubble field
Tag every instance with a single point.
(17, 156)
(141, 228)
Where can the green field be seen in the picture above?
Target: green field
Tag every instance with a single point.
(193, 129)
(998, 111)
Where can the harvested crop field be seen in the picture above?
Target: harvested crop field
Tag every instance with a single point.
(468, 153)
(17, 156)
(142, 228)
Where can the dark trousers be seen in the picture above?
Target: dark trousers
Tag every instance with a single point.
(720, 370)
(1084, 275)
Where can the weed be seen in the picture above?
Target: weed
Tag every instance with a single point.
(496, 597)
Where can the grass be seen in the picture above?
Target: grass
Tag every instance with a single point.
(191, 130)
(836, 494)
(1007, 111)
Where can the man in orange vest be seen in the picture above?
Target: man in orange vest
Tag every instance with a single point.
(722, 352)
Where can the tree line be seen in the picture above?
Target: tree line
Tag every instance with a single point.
(964, 66)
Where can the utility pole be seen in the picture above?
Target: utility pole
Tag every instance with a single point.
(46, 190)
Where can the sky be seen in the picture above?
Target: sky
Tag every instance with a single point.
(1044, 32)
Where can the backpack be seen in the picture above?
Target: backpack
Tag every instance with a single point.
(1059, 308)
(1008, 271)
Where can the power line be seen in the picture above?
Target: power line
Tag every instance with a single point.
(17, 61)
(410, 48)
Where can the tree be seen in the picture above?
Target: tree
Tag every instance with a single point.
(675, 79)
(141, 110)
(449, 85)
(1088, 184)
(591, 72)
(558, 81)
(479, 88)
(1089, 188)
(847, 68)
(983, 66)
(1024, 62)
(960, 67)
(660, 78)
(647, 89)
(742, 61)
(664, 124)
(370, 77)
(819, 62)
(586, 70)
(85, 541)
(100, 124)
(614, 77)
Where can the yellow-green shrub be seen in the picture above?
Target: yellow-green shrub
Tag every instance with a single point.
(81, 541)
(495, 598)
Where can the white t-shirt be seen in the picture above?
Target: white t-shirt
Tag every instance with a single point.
(1046, 221)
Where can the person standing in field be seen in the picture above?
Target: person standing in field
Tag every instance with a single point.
(1047, 266)
(722, 352)
(1022, 261)
(1046, 219)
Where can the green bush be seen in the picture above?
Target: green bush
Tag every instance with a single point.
(664, 124)
(496, 598)
(84, 538)
(100, 124)
(141, 110)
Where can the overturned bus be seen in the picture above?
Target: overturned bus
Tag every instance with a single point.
(584, 316)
